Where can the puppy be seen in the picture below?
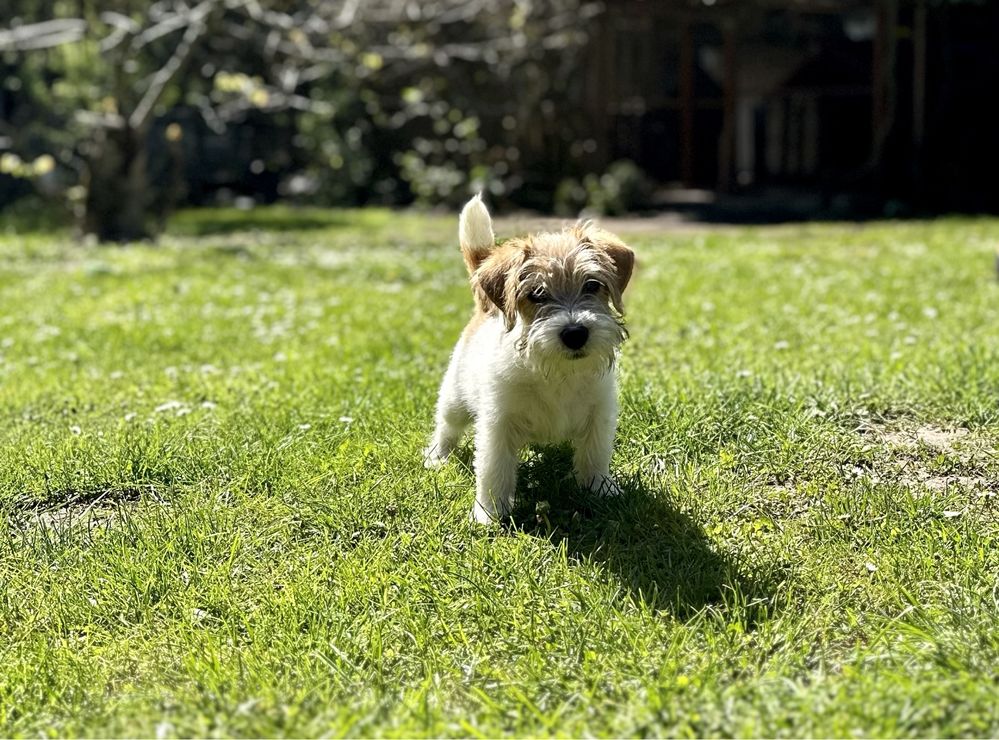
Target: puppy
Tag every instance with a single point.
(535, 364)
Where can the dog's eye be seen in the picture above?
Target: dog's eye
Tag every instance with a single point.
(538, 295)
(591, 286)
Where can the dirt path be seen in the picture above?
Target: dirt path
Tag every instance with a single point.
(661, 223)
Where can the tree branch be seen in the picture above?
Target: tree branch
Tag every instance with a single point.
(197, 24)
(42, 35)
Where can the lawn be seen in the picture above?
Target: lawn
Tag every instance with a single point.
(216, 519)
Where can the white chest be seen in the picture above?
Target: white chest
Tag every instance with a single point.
(552, 411)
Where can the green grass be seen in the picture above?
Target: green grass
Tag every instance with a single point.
(216, 521)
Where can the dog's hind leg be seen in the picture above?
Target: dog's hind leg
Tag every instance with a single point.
(451, 424)
(451, 420)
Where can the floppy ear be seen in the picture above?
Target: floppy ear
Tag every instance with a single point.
(622, 259)
(495, 282)
(620, 254)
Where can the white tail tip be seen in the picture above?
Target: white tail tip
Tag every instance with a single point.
(475, 227)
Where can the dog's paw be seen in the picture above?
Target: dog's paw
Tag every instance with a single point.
(482, 516)
(433, 458)
(603, 485)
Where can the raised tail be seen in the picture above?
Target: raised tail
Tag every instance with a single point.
(475, 233)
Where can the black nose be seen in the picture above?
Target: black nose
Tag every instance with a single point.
(574, 336)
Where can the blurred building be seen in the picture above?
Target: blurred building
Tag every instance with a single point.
(887, 97)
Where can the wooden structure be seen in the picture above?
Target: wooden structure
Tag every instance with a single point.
(727, 94)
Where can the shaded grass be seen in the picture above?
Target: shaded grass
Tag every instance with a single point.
(232, 420)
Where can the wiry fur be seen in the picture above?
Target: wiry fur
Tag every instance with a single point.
(511, 374)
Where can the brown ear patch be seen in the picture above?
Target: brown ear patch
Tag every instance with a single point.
(495, 281)
(619, 255)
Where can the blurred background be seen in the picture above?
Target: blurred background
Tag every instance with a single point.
(113, 113)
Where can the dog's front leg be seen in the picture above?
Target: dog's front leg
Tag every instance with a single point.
(497, 452)
(594, 446)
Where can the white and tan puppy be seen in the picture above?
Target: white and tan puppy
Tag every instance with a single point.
(535, 364)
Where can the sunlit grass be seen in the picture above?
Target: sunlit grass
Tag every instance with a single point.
(216, 519)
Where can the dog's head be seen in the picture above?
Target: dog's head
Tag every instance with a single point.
(562, 292)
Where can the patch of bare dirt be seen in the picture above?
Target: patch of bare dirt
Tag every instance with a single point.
(71, 516)
(672, 223)
(936, 458)
(944, 440)
(85, 512)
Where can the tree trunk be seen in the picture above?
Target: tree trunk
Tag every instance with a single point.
(117, 201)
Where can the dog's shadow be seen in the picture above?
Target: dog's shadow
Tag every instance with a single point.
(657, 553)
